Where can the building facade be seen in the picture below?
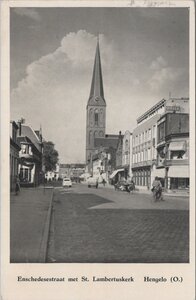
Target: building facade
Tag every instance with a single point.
(144, 144)
(30, 156)
(73, 171)
(173, 145)
(53, 175)
(14, 154)
(127, 154)
(95, 110)
(104, 159)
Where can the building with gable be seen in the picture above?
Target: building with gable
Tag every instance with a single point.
(30, 156)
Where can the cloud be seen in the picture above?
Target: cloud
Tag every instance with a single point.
(27, 12)
(158, 64)
(55, 90)
(167, 79)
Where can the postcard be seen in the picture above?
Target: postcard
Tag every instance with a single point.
(97, 150)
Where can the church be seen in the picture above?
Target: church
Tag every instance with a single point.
(96, 115)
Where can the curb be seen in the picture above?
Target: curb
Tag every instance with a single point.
(44, 242)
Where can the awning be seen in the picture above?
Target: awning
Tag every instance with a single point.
(159, 173)
(115, 172)
(177, 146)
(178, 172)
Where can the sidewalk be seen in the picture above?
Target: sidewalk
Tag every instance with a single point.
(29, 224)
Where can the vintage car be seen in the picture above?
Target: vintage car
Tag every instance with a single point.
(67, 182)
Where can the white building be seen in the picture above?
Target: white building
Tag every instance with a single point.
(144, 144)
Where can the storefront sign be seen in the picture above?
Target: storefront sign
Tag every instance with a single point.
(172, 108)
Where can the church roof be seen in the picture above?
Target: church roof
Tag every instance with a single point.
(106, 142)
(96, 93)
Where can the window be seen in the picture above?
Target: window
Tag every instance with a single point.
(149, 156)
(96, 117)
(126, 145)
(139, 157)
(142, 156)
(154, 131)
(149, 134)
(161, 131)
(24, 149)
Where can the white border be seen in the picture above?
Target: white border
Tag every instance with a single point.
(11, 289)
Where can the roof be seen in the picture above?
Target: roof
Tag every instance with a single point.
(27, 131)
(96, 96)
(106, 142)
(151, 111)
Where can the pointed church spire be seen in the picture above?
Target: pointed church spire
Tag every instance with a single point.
(96, 92)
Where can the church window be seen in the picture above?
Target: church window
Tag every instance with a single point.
(101, 134)
(96, 134)
(96, 117)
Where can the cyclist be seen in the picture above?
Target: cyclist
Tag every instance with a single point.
(157, 189)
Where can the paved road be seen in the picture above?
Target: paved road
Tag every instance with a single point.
(103, 225)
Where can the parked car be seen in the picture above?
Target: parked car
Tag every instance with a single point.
(67, 182)
(92, 181)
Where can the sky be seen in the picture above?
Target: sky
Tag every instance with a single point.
(144, 56)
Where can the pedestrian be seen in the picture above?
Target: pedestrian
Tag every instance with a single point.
(17, 185)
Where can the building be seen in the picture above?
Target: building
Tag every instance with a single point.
(30, 156)
(53, 175)
(119, 151)
(73, 170)
(127, 154)
(14, 153)
(173, 144)
(144, 144)
(123, 168)
(95, 110)
(104, 159)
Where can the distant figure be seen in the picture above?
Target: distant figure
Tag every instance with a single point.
(104, 182)
(156, 184)
(17, 185)
(157, 189)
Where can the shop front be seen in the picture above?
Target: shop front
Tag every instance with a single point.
(178, 177)
(117, 175)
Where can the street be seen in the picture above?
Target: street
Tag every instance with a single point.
(107, 226)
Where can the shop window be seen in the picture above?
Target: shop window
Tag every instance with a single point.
(179, 183)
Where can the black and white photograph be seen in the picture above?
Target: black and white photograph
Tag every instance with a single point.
(100, 136)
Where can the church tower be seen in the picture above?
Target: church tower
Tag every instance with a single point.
(95, 109)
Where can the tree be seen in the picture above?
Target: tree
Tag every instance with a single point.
(50, 156)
